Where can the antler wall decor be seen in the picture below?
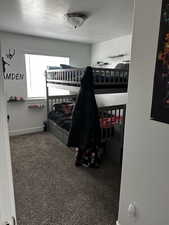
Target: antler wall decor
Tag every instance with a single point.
(10, 54)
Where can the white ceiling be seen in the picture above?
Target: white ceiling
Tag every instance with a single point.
(108, 18)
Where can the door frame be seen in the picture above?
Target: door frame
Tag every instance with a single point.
(7, 200)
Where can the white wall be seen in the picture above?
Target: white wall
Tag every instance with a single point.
(145, 178)
(7, 203)
(101, 51)
(24, 120)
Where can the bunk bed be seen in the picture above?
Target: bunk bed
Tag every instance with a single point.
(59, 108)
(105, 80)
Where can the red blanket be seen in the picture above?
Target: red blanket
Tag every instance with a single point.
(110, 121)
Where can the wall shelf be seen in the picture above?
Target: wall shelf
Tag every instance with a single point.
(9, 101)
(15, 99)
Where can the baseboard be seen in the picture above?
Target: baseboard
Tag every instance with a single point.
(25, 131)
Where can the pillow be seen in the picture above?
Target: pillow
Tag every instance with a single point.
(122, 66)
(53, 68)
(58, 107)
(64, 66)
(65, 108)
(68, 108)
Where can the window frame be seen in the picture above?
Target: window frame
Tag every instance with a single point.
(28, 85)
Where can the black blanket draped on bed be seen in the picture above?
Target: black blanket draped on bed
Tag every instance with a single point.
(85, 131)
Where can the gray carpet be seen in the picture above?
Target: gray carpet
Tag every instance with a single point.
(49, 190)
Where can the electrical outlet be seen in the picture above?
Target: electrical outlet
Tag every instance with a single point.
(11, 222)
(6, 223)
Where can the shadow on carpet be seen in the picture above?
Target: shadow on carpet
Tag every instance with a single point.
(50, 190)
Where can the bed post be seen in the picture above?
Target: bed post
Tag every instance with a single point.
(122, 136)
(47, 93)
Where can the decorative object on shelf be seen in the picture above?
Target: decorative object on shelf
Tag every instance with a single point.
(76, 19)
(100, 63)
(118, 56)
(160, 101)
(127, 61)
(16, 99)
(36, 106)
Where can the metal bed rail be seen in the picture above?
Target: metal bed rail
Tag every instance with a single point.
(102, 77)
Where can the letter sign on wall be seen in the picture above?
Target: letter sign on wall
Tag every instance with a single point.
(10, 76)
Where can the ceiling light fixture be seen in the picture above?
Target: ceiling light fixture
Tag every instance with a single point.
(76, 19)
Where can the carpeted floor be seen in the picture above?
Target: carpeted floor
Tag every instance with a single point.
(49, 190)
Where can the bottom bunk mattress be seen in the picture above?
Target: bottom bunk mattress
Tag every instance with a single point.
(62, 115)
(60, 120)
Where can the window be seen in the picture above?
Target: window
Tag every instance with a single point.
(35, 70)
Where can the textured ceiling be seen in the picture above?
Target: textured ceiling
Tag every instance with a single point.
(107, 18)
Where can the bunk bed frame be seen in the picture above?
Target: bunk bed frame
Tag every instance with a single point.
(105, 80)
(117, 111)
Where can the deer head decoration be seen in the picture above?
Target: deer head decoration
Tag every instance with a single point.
(10, 54)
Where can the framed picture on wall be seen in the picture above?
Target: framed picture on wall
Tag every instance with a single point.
(160, 101)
